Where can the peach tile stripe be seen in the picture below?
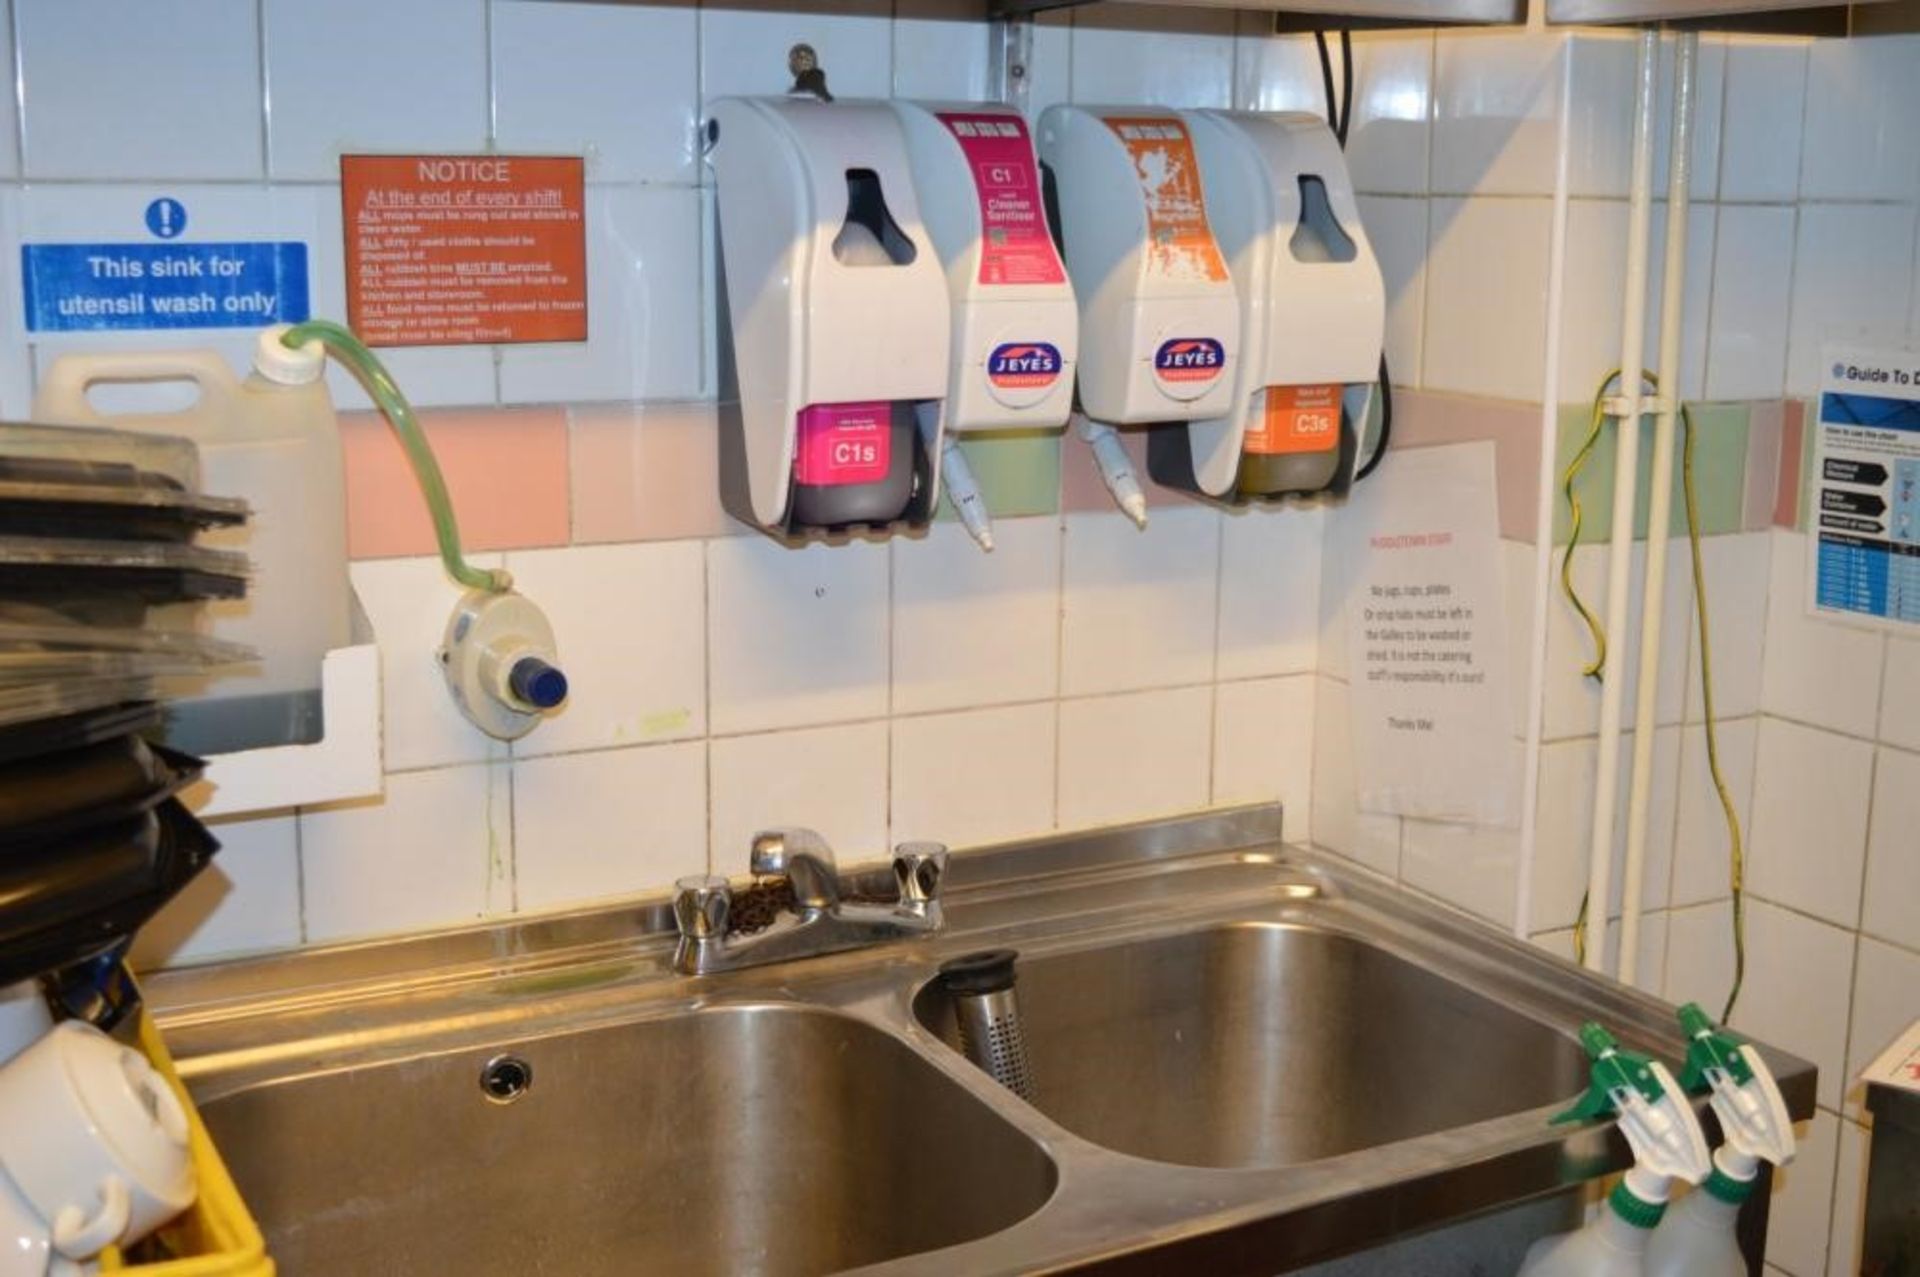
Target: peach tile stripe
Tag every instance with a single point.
(1786, 493)
(646, 473)
(1766, 430)
(506, 470)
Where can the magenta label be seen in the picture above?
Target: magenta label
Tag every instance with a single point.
(842, 443)
(1015, 245)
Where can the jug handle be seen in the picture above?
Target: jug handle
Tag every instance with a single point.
(63, 391)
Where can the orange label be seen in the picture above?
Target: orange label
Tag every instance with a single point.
(453, 250)
(1296, 419)
(1182, 244)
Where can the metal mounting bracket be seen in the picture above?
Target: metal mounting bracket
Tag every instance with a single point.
(1010, 58)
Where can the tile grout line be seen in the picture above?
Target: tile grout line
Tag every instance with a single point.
(1213, 666)
(1059, 662)
(266, 90)
(706, 691)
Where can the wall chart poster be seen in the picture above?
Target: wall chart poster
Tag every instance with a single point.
(1864, 502)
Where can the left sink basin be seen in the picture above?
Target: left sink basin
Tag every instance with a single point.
(761, 1138)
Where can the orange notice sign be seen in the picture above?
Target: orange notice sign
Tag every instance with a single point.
(1183, 246)
(454, 250)
(1296, 419)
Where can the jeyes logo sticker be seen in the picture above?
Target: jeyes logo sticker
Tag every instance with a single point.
(1189, 359)
(1024, 365)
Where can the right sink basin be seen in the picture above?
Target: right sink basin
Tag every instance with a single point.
(1265, 1044)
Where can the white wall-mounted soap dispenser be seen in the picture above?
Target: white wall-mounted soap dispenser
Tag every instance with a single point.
(835, 320)
(1015, 330)
(1159, 324)
(1312, 314)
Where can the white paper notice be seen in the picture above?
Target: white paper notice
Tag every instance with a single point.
(1421, 567)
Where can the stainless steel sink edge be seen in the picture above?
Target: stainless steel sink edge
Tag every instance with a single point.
(241, 1026)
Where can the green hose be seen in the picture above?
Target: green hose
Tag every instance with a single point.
(349, 350)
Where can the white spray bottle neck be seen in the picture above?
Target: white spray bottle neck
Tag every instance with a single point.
(1746, 1099)
(1664, 1134)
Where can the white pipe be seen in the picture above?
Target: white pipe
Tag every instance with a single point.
(1626, 464)
(1543, 513)
(1653, 595)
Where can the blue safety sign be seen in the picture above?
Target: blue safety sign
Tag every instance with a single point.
(97, 287)
(167, 217)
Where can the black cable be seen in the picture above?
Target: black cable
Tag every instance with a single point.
(1346, 86)
(1339, 115)
(1326, 85)
(1386, 423)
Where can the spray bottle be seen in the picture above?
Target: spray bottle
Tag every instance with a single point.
(1697, 1239)
(1667, 1145)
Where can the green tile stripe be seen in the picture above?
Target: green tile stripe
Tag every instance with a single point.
(1719, 469)
(1018, 472)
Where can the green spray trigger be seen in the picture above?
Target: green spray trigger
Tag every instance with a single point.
(1614, 1071)
(1710, 1047)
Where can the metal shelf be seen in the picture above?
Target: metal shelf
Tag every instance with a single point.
(1305, 15)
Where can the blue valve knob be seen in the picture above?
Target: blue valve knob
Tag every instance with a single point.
(537, 683)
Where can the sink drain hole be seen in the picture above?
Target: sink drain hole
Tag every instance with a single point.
(505, 1078)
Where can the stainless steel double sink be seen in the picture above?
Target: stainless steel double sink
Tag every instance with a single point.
(1247, 1058)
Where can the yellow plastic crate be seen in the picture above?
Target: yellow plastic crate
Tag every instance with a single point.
(216, 1237)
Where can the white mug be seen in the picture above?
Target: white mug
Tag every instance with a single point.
(24, 1018)
(96, 1141)
(26, 1244)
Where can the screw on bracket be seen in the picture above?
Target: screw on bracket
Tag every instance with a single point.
(809, 77)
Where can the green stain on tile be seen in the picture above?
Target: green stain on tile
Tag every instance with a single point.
(1018, 472)
(1719, 470)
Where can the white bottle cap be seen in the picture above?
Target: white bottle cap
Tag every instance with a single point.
(288, 365)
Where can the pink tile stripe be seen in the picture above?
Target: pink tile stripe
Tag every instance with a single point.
(1083, 491)
(506, 470)
(1427, 418)
(1786, 498)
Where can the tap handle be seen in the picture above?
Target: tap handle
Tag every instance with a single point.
(701, 906)
(918, 868)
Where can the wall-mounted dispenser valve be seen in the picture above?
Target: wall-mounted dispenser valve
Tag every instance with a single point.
(1312, 314)
(834, 324)
(1014, 329)
(500, 663)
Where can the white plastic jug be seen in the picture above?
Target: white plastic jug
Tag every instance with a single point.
(1697, 1239)
(274, 440)
(1610, 1246)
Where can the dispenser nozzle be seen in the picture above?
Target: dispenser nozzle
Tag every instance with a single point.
(1116, 468)
(1753, 1114)
(956, 475)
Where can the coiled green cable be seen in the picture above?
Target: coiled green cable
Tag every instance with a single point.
(365, 365)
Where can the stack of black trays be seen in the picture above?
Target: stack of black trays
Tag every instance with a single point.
(100, 586)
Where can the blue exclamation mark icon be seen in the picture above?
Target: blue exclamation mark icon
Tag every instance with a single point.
(166, 217)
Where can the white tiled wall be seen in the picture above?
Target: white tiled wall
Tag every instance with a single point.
(1085, 672)
(879, 692)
